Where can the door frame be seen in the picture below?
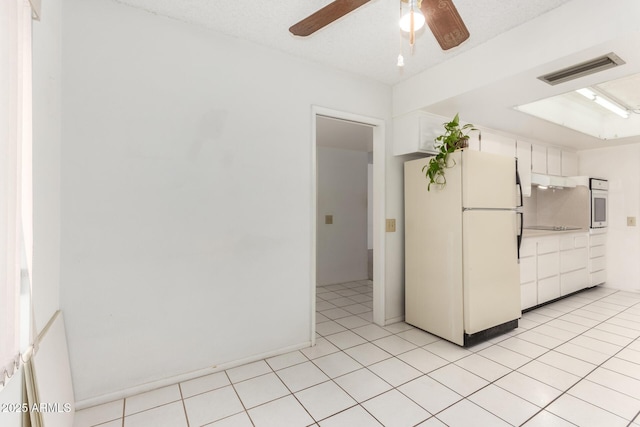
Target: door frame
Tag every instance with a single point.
(379, 191)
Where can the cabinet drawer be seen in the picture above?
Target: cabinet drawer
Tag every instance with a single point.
(598, 277)
(581, 241)
(548, 265)
(528, 248)
(527, 269)
(597, 251)
(566, 243)
(572, 242)
(574, 281)
(598, 239)
(528, 295)
(597, 264)
(546, 246)
(573, 260)
(548, 289)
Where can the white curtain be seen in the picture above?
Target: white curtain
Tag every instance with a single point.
(15, 176)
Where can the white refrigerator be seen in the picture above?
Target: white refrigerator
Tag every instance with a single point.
(462, 280)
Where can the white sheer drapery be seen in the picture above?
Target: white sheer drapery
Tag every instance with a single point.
(16, 232)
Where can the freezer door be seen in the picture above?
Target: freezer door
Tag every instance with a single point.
(491, 275)
(488, 180)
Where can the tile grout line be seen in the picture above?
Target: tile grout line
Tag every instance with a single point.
(584, 377)
(623, 308)
(532, 359)
(184, 405)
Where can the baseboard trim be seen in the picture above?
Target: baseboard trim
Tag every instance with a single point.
(394, 320)
(153, 385)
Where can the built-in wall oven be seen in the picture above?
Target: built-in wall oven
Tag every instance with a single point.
(599, 205)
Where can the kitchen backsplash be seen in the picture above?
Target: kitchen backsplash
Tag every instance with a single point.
(559, 207)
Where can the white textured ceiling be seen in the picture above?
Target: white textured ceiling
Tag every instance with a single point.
(366, 41)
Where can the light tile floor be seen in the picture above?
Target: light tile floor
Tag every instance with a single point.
(573, 362)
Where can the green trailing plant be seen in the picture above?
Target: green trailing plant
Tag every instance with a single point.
(454, 138)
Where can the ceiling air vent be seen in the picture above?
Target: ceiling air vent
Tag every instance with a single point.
(595, 65)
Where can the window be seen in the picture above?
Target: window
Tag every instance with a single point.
(15, 180)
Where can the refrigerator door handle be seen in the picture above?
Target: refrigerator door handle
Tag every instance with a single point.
(518, 183)
(519, 237)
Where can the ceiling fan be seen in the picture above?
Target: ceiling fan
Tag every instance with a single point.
(441, 16)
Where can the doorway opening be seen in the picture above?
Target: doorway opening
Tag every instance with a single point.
(348, 204)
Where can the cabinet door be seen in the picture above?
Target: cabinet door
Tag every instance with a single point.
(574, 259)
(527, 269)
(498, 144)
(554, 161)
(548, 289)
(548, 265)
(528, 295)
(538, 158)
(569, 163)
(523, 154)
(415, 132)
(596, 264)
(574, 281)
(598, 277)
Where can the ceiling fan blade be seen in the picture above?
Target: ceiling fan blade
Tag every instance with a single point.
(445, 22)
(325, 16)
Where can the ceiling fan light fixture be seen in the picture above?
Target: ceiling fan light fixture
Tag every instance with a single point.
(414, 14)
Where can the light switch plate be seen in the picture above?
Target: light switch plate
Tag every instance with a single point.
(328, 219)
(391, 225)
(631, 221)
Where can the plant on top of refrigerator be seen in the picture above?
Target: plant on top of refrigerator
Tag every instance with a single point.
(454, 138)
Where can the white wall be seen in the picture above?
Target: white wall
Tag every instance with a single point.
(620, 166)
(342, 192)
(186, 194)
(47, 135)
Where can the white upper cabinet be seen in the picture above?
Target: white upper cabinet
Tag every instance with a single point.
(523, 154)
(538, 158)
(569, 163)
(554, 161)
(497, 144)
(416, 132)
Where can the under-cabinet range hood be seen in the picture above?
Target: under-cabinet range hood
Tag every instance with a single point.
(551, 181)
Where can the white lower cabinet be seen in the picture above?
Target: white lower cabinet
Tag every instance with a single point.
(548, 289)
(548, 278)
(574, 263)
(597, 260)
(528, 274)
(557, 265)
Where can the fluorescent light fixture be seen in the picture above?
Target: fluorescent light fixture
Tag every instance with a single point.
(589, 94)
(612, 107)
(604, 102)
